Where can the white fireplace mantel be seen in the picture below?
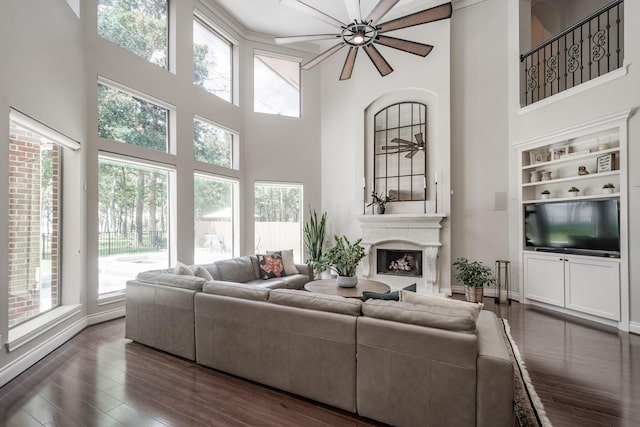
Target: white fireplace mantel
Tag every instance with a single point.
(403, 231)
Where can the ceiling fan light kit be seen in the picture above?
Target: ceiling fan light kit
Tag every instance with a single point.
(365, 33)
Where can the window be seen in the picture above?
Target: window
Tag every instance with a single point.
(213, 145)
(34, 224)
(276, 85)
(140, 26)
(400, 157)
(125, 118)
(212, 61)
(278, 213)
(133, 218)
(214, 218)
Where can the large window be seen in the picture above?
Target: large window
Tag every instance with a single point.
(214, 218)
(132, 120)
(278, 213)
(140, 26)
(133, 220)
(212, 60)
(276, 88)
(34, 224)
(213, 145)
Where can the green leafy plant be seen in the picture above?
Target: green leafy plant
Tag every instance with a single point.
(574, 190)
(343, 257)
(608, 185)
(473, 273)
(546, 192)
(379, 200)
(314, 232)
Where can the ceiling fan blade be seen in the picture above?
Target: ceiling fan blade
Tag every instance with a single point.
(296, 39)
(416, 48)
(436, 13)
(353, 9)
(380, 10)
(398, 148)
(419, 139)
(347, 69)
(381, 64)
(402, 141)
(316, 13)
(411, 154)
(324, 55)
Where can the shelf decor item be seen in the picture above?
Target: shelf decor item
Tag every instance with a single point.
(546, 176)
(474, 275)
(605, 163)
(343, 258)
(379, 201)
(608, 188)
(545, 194)
(582, 170)
(535, 176)
(574, 192)
(538, 156)
(559, 152)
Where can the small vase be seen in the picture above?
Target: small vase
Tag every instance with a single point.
(380, 210)
(347, 281)
(546, 176)
(535, 176)
(574, 193)
(608, 190)
(545, 196)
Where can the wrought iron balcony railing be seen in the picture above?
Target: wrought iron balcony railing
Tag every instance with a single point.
(588, 49)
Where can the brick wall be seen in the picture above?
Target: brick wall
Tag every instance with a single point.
(29, 272)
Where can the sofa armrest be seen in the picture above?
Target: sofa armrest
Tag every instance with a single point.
(495, 374)
(304, 269)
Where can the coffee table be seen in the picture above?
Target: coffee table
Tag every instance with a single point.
(330, 287)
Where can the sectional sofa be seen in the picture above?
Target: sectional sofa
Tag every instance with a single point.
(400, 363)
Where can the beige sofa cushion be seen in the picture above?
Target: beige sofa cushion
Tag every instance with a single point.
(238, 269)
(236, 290)
(433, 316)
(314, 301)
(431, 300)
(167, 278)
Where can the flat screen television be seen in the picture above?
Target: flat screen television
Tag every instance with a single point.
(586, 227)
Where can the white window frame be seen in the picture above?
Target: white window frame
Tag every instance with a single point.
(276, 55)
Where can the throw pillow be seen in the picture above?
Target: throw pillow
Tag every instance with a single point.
(182, 269)
(202, 272)
(392, 296)
(435, 301)
(271, 266)
(287, 260)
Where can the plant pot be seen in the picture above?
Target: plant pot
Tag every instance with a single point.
(347, 281)
(473, 294)
(380, 210)
(574, 193)
(608, 190)
(545, 196)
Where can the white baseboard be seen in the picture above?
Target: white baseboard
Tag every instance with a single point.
(634, 327)
(105, 316)
(22, 363)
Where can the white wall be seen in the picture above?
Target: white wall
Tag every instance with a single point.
(343, 115)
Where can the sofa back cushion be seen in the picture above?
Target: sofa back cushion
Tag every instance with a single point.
(314, 301)
(168, 278)
(433, 316)
(236, 290)
(239, 269)
(431, 300)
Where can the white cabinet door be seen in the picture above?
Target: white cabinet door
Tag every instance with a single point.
(593, 287)
(544, 278)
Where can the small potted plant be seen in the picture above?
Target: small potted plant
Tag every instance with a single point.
(608, 188)
(343, 258)
(574, 191)
(314, 232)
(379, 201)
(474, 275)
(545, 194)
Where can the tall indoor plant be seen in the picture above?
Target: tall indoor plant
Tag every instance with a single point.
(314, 232)
(343, 258)
(474, 275)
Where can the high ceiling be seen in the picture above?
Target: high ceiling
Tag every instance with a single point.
(272, 18)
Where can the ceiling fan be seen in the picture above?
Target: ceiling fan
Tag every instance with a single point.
(364, 33)
(404, 146)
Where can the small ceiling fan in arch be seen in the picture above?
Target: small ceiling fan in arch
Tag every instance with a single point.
(404, 146)
(365, 33)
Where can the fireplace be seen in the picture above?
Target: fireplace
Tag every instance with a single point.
(399, 262)
(402, 250)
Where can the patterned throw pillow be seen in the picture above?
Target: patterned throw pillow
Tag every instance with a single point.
(271, 266)
(287, 259)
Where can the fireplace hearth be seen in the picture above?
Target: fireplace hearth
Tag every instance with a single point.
(399, 262)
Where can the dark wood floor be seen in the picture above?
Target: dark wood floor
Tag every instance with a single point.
(586, 375)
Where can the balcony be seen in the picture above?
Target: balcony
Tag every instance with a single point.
(587, 50)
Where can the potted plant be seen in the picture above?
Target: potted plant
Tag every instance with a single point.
(314, 232)
(343, 258)
(608, 188)
(379, 201)
(474, 275)
(574, 191)
(545, 194)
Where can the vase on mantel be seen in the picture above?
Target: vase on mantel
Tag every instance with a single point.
(380, 210)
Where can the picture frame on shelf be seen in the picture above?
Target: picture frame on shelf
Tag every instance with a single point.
(604, 163)
(559, 152)
(538, 156)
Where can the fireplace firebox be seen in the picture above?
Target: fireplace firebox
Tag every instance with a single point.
(399, 262)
